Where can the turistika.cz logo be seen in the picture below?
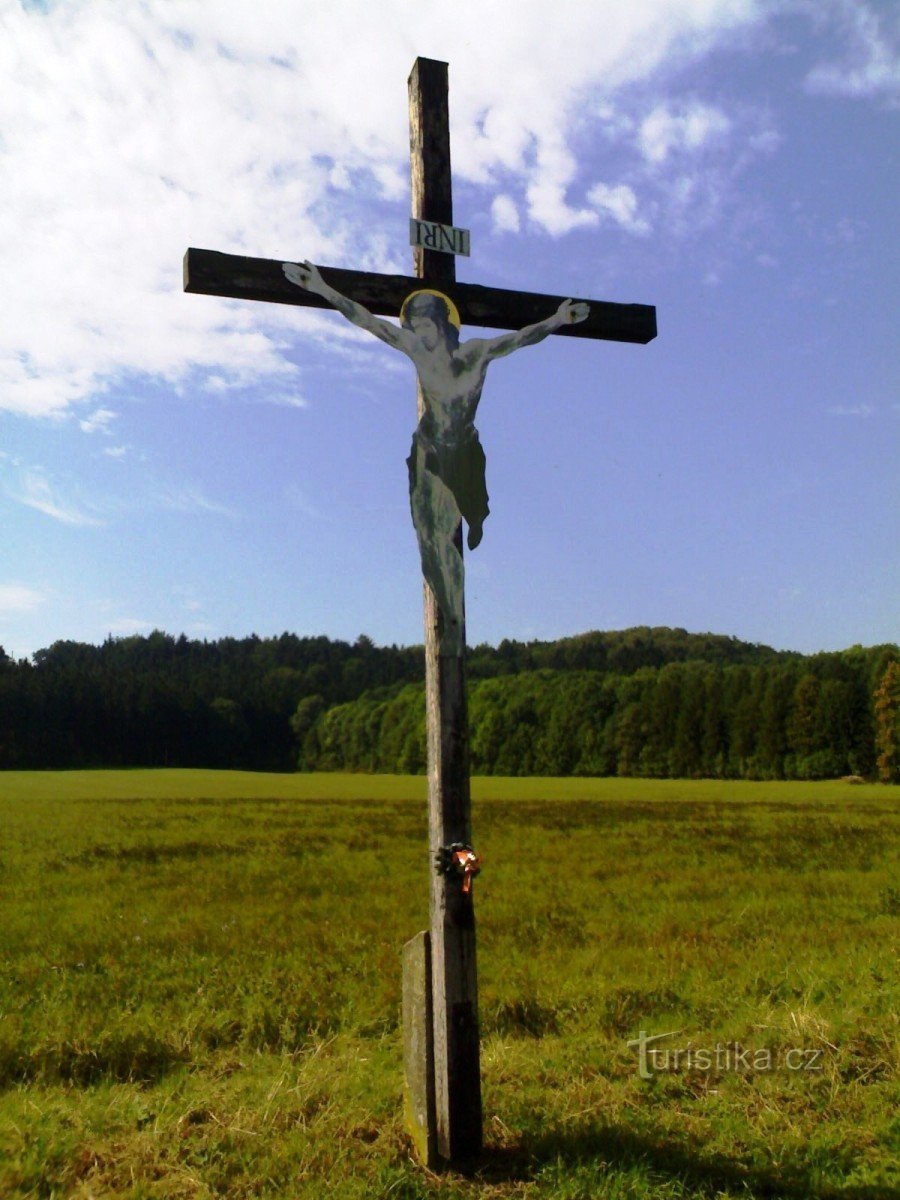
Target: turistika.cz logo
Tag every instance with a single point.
(722, 1058)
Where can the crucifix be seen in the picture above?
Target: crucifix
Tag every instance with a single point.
(446, 474)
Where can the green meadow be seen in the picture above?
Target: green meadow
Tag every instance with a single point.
(200, 987)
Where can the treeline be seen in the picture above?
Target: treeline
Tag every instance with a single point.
(652, 702)
(821, 717)
(165, 701)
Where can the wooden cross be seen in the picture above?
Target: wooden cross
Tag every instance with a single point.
(448, 1126)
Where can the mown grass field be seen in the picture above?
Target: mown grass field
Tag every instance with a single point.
(200, 986)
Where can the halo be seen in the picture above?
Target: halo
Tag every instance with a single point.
(452, 310)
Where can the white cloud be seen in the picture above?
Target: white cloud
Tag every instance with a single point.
(686, 162)
(691, 128)
(284, 399)
(695, 201)
(621, 204)
(190, 499)
(851, 410)
(33, 489)
(16, 598)
(766, 141)
(218, 385)
(870, 67)
(546, 194)
(129, 132)
(547, 206)
(98, 422)
(505, 214)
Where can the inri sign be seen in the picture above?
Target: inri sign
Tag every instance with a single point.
(432, 236)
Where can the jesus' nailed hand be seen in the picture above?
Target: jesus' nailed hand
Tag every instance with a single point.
(446, 465)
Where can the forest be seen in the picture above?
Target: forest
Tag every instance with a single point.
(658, 703)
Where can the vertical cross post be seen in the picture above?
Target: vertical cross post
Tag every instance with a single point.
(454, 986)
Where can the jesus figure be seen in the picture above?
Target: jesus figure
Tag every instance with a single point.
(446, 464)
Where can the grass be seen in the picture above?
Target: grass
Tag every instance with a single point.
(200, 986)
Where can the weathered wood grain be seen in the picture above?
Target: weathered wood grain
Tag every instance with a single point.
(418, 1052)
(429, 161)
(454, 979)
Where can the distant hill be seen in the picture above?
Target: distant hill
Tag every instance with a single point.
(622, 652)
(650, 701)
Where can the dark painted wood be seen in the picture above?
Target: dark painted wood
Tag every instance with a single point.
(210, 273)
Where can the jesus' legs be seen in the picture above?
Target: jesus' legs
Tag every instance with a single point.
(436, 517)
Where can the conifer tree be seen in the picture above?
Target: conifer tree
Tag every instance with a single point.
(887, 724)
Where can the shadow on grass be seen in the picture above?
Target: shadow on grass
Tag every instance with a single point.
(660, 1162)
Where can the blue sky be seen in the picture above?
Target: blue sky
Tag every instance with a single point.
(222, 468)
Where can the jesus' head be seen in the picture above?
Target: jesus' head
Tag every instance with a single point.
(433, 317)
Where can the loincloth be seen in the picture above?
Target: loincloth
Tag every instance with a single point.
(460, 465)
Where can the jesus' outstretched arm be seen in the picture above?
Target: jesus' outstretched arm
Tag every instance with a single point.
(570, 312)
(306, 275)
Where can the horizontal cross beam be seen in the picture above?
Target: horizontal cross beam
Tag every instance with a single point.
(211, 273)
